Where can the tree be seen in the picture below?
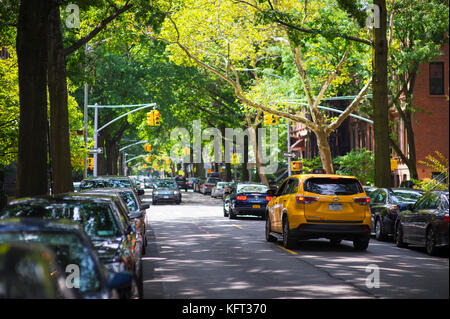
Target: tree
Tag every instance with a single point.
(417, 32)
(223, 37)
(31, 43)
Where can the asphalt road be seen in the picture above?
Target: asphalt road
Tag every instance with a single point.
(194, 252)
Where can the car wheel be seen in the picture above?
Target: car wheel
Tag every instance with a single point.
(269, 237)
(379, 230)
(430, 243)
(231, 214)
(154, 202)
(225, 212)
(361, 242)
(288, 240)
(399, 236)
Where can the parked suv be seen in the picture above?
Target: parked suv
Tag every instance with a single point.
(319, 206)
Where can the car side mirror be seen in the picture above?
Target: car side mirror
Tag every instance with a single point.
(141, 192)
(120, 280)
(136, 214)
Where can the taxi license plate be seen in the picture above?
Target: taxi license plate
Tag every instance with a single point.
(256, 206)
(166, 197)
(334, 206)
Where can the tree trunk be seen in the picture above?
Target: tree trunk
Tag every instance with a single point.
(412, 160)
(31, 44)
(59, 116)
(324, 152)
(380, 102)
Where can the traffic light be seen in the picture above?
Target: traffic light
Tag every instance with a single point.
(147, 147)
(270, 119)
(150, 118)
(296, 166)
(91, 163)
(156, 118)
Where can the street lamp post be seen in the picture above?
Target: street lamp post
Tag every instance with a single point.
(97, 130)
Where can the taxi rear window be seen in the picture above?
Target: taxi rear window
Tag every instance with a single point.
(332, 186)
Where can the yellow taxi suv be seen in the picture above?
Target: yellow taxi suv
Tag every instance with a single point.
(319, 206)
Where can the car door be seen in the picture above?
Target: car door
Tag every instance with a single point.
(275, 210)
(425, 215)
(413, 220)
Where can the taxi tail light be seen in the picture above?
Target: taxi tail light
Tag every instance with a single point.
(362, 200)
(241, 197)
(269, 198)
(306, 199)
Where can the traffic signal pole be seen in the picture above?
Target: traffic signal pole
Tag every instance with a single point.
(97, 130)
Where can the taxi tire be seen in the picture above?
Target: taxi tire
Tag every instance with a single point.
(361, 242)
(270, 238)
(288, 241)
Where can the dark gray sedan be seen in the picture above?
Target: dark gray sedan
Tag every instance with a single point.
(425, 223)
(166, 190)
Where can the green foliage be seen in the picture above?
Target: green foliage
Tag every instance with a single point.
(9, 108)
(359, 163)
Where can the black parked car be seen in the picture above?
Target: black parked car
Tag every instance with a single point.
(182, 183)
(385, 204)
(104, 219)
(136, 209)
(425, 224)
(74, 253)
(110, 181)
(19, 264)
(166, 190)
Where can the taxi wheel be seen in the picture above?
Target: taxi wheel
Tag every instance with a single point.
(269, 237)
(361, 243)
(288, 240)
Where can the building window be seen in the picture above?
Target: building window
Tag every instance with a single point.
(437, 78)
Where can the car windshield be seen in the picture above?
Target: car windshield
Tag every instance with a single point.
(129, 199)
(96, 218)
(71, 254)
(252, 188)
(166, 184)
(333, 186)
(404, 195)
(88, 184)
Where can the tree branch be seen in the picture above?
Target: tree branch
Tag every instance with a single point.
(95, 31)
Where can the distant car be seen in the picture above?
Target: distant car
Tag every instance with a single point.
(191, 181)
(73, 250)
(105, 221)
(110, 181)
(208, 185)
(198, 184)
(19, 264)
(219, 189)
(166, 190)
(425, 223)
(385, 205)
(182, 182)
(76, 186)
(247, 199)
